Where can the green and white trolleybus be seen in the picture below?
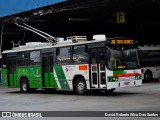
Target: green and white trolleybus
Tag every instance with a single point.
(73, 64)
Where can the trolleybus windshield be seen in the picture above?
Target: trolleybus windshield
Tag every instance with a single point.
(122, 58)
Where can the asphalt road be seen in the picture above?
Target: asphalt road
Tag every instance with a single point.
(144, 98)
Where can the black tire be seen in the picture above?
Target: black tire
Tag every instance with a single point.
(148, 76)
(32, 90)
(25, 86)
(110, 91)
(50, 90)
(80, 87)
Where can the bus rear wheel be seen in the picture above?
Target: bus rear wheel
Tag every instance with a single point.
(80, 86)
(147, 76)
(24, 86)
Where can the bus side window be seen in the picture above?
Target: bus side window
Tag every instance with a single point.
(4, 63)
(80, 54)
(34, 58)
(63, 55)
(22, 59)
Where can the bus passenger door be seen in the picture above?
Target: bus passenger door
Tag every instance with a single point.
(47, 69)
(101, 66)
(11, 71)
(97, 68)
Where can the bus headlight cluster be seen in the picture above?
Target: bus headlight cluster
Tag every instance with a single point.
(112, 79)
(137, 77)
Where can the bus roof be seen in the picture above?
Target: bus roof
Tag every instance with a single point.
(73, 40)
(149, 47)
(28, 48)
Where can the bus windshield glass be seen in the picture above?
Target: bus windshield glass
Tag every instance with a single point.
(122, 58)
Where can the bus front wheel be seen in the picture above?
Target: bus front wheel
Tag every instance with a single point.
(24, 85)
(80, 86)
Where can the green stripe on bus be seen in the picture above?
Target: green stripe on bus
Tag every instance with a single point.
(61, 77)
(118, 72)
(54, 83)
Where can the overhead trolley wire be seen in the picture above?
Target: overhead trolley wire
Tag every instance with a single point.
(82, 5)
(107, 4)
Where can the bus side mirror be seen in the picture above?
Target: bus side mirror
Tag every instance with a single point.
(139, 49)
(139, 52)
(107, 54)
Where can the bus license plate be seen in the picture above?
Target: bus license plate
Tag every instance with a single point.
(126, 83)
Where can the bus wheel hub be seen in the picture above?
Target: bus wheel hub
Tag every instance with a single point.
(81, 86)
